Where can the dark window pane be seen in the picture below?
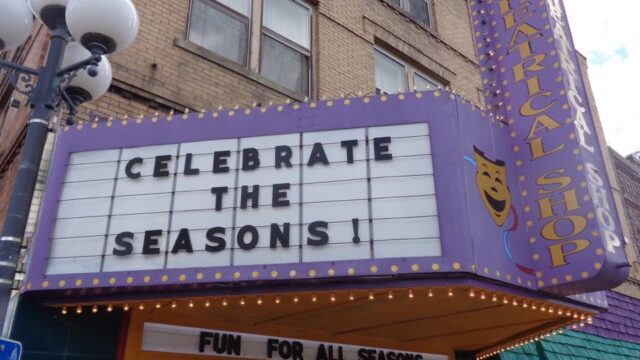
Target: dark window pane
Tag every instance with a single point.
(284, 65)
(395, 2)
(419, 10)
(217, 30)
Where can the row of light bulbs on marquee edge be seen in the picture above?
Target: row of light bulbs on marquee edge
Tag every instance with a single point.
(288, 102)
(574, 318)
(481, 295)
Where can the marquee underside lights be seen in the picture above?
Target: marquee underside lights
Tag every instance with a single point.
(558, 315)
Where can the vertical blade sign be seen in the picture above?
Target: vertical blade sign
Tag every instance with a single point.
(533, 84)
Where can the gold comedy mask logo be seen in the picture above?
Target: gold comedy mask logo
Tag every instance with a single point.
(491, 179)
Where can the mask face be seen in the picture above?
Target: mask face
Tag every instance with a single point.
(491, 179)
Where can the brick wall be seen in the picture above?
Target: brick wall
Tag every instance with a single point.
(344, 33)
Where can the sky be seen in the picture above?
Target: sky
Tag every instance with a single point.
(607, 33)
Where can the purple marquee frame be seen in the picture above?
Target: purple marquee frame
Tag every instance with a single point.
(456, 126)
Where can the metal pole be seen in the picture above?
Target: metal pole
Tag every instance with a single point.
(15, 223)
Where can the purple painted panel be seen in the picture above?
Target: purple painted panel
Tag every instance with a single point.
(479, 210)
(534, 87)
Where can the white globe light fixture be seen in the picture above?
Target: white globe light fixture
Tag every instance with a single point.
(50, 12)
(103, 26)
(16, 22)
(84, 87)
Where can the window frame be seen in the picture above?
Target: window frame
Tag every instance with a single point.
(418, 73)
(265, 31)
(252, 68)
(231, 12)
(395, 59)
(405, 8)
(410, 71)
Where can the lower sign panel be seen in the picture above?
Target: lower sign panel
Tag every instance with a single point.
(364, 193)
(188, 340)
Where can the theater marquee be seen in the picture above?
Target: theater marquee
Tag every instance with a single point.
(392, 185)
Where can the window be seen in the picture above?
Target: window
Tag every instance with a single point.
(393, 75)
(222, 26)
(423, 82)
(418, 10)
(281, 51)
(286, 44)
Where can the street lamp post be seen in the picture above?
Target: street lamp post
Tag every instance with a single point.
(73, 73)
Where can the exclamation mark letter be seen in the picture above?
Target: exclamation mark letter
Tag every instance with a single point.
(356, 238)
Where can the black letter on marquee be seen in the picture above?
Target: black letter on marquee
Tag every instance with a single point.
(161, 168)
(319, 230)
(250, 159)
(205, 339)
(283, 156)
(246, 195)
(122, 241)
(234, 345)
(317, 155)
(322, 353)
(130, 164)
(188, 170)
(220, 161)
(220, 242)
(150, 243)
(296, 352)
(381, 148)
(279, 197)
(278, 235)
(272, 345)
(218, 191)
(349, 145)
(362, 354)
(254, 237)
(183, 242)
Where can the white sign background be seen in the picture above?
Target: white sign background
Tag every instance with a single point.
(186, 340)
(99, 201)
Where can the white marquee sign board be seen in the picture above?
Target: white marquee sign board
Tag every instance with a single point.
(187, 340)
(364, 193)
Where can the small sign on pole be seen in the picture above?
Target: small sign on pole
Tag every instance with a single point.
(10, 350)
